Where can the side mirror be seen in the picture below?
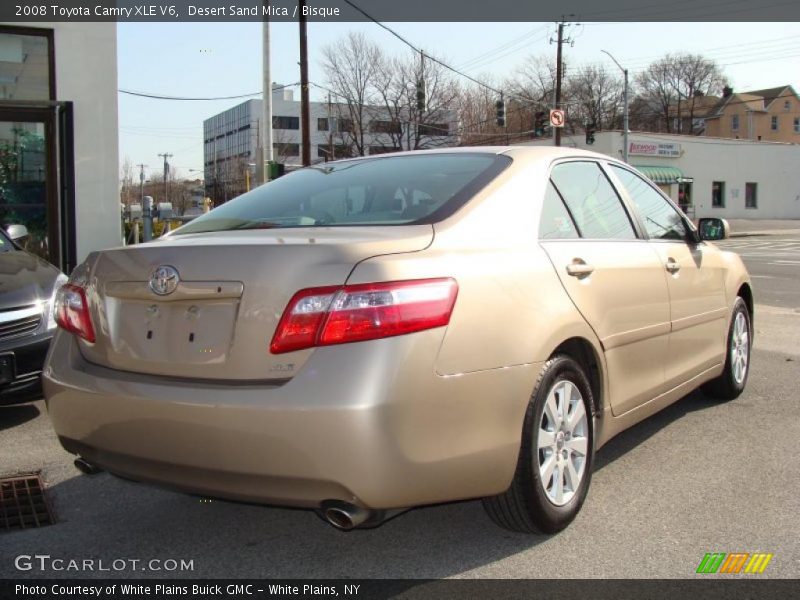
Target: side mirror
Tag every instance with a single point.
(17, 232)
(713, 229)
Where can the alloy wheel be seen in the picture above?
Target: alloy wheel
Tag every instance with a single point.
(562, 442)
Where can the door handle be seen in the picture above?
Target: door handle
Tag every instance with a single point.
(672, 265)
(578, 268)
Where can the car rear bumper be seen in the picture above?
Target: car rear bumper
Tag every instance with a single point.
(29, 356)
(395, 435)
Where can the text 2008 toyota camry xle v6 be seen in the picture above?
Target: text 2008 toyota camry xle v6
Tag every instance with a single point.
(385, 332)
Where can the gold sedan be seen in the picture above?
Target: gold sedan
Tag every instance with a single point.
(369, 335)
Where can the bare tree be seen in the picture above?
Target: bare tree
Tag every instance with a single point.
(127, 189)
(697, 77)
(476, 113)
(404, 126)
(351, 66)
(677, 80)
(658, 85)
(595, 97)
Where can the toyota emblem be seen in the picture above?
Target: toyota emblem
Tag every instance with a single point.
(164, 280)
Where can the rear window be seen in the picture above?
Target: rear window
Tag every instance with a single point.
(396, 190)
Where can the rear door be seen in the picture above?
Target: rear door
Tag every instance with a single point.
(695, 277)
(613, 277)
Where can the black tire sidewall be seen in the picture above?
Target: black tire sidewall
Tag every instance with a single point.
(738, 307)
(549, 517)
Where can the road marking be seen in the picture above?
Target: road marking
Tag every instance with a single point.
(762, 276)
(786, 262)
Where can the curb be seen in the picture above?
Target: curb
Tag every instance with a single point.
(765, 233)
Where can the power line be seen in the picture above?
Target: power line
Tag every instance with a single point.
(419, 50)
(183, 98)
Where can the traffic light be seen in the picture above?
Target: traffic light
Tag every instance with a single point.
(539, 121)
(500, 105)
(590, 129)
(421, 96)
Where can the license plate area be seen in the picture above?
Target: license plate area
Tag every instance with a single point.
(7, 371)
(180, 333)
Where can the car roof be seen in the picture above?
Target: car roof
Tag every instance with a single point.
(526, 152)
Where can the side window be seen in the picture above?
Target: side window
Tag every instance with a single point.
(555, 222)
(592, 201)
(661, 220)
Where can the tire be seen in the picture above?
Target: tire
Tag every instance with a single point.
(733, 380)
(529, 505)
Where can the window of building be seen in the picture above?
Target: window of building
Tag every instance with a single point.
(751, 195)
(27, 62)
(281, 149)
(390, 127)
(718, 194)
(345, 126)
(555, 222)
(787, 105)
(774, 124)
(735, 122)
(373, 150)
(434, 129)
(592, 201)
(797, 125)
(661, 220)
(322, 124)
(286, 122)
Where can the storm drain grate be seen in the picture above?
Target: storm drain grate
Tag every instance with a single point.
(23, 504)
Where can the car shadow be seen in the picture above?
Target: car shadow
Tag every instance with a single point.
(629, 439)
(11, 416)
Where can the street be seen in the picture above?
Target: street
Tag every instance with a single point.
(774, 263)
(699, 477)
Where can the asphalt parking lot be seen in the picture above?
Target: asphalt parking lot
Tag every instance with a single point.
(699, 477)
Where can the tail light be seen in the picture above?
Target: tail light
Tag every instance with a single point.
(72, 311)
(355, 313)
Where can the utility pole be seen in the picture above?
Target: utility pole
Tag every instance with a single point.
(559, 71)
(166, 175)
(141, 181)
(266, 157)
(625, 113)
(331, 155)
(558, 76)
(305, 115)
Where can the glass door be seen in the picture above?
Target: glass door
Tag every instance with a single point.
(28, 194)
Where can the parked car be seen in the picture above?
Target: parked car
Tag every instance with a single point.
(379, 333)
(27, 289)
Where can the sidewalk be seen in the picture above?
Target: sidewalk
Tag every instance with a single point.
(756, 227)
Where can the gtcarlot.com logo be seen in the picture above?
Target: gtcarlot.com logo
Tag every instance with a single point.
(45, 562)
(735, 562)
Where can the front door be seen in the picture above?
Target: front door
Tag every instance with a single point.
(695, 276)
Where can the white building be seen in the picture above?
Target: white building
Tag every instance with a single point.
(231, 138)
(711, 177)
(58, 136)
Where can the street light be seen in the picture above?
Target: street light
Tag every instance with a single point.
(625, 107)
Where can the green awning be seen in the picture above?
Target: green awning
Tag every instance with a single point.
(662, 175)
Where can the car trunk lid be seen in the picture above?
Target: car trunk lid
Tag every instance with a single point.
(233, 288)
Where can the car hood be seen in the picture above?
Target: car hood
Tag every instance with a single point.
(24, 279)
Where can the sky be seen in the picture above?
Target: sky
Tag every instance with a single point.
(224, 59)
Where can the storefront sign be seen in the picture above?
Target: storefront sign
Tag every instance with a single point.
(666, 150)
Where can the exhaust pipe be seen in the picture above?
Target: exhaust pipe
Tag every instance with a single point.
(346, 517)
(85, 467)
